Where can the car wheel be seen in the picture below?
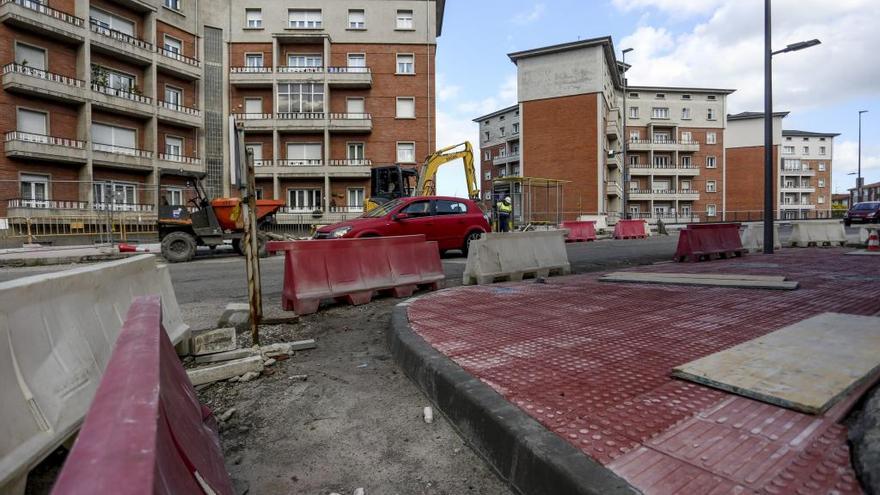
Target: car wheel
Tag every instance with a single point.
(178, 247)
(472, 236)
(847, 223)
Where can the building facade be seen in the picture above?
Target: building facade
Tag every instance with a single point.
(113, 104)
(870, 192)
(499, 147)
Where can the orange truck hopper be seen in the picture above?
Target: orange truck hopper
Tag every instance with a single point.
(228, 211)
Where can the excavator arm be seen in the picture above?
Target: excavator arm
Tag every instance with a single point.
(427, 185)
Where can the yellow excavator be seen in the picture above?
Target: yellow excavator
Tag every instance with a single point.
(395, 181)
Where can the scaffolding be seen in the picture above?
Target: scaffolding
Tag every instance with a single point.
(536, 200)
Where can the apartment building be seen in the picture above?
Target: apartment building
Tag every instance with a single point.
(499, 147)
(111, 101)
(870, 192)
(802, 164)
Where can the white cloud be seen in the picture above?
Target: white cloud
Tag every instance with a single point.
(445, 90)
(845, 160)
(530, 16)
(726, 50)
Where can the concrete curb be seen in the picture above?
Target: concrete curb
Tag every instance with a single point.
(528, 457)
(62, 260)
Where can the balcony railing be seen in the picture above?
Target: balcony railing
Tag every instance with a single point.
(252, 116)
(662, 141)
(121, 93)
(300, 115)
(45, 9)
(42, 74)
(349, 70)
(76, 205)
(119, 35)
(179, 108)
(189, 160)
(797, 169)
(351, 162)
(250, 70)
(138, 207)
(122, 150)
(177, 56)
(663, 191)
(264, 163)
(351, 116)
(297, 69)
(643, 166)
(300, 162)
(44, 139)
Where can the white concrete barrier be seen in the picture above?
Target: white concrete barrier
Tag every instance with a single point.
(647, 228)
(753, 237)
(57, 332)
(819, 233)
(601, 221)
(509, 256)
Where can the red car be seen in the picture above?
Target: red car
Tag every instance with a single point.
(452, 222)
(868, 212)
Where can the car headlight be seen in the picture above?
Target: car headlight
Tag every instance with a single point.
(340, 232)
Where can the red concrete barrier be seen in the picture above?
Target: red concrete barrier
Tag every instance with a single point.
(703, 241)
(146, 432)
(630, 229)
(579, 231)
(352, 270)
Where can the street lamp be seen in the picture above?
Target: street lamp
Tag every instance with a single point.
(625, 181)
(768, 122)
(859, 177)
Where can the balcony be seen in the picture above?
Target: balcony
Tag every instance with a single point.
(663, 194)
(122, 157)
(181, 163)
(179, 114)
(797, 189)
(614, 161)
(317, 216)
(797, 206)
(351, 122)
(612, 188)
(803, 171)
(72, 209)
(42, 19)
(663, 145)
(30, 146)
(122, 101)
(292, 168)
(301, 121)
(28, 80)
(612, 129)
(505, 159)
(646, 169)
(250, 76)
(256, 121)
(295, 73)
(349, 77)
(350, 168)
(186, 67)
(120, 44)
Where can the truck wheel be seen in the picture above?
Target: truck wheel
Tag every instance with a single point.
(236, 246)
(178, 247)
(261, 246)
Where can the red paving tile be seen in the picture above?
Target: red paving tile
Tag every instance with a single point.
(591, 362)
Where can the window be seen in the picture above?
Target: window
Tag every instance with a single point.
(357, 19)
(662, 137)
(685, 161)
(34, 124)
(710, 186)
(406, 152)
(304, 199)
(685, 97)
(253, 60)
(633, 112)
(114, 139)
(686, 136)
(821, 200)
(516, 128)
(356, 197)
(355, 105)
(501, 118)
(30, 56)
(633, 159)
(173, 96)
(806, 150)
(448, 207)
(253, 106)
(300, 98)
(822, 139)
(710, 210)
(105, 22)
(174, 196)
(303, 61)
(790, 164)
(660, 113)
(115, 195)
(788, 139)
(34, 190)
(406, 64)
(501, 131)
(405, 19)
(634, 136)
(488, 175)
(821, 166)
(805, 139)
(357, 61)
(660, 185)
(418, 209)
(486, 136)
(173, 4)
(406, 108)
(355, 152)
(821, 182)
(487, 155)
(711, 162)
(633, 185)
(173, 45)
(685, 113)
(711, 138)
(822, 150)
(304, 18)
(304, 153)
(788, 150)
(685, 185)
(254, 18)
(258, 192)
(662, 160)
(711, 97)
(710, 114)
(257, 150)
(173, 146)
(660, 96)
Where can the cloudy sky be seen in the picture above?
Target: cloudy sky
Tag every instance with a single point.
(706, 43)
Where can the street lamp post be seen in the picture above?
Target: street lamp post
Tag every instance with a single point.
(859, 176)
(623, 213)
(768, 122)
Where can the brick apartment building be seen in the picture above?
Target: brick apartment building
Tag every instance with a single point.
(567, 125)
(104, 100)
(870, 192)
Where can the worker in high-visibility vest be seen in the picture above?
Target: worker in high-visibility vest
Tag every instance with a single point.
(505, 209)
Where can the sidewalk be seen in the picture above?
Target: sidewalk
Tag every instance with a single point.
(44, 256)
(591, 362)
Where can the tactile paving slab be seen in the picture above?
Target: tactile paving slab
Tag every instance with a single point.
(591, 361)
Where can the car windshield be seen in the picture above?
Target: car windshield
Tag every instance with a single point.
(382, 210)
(866, 206)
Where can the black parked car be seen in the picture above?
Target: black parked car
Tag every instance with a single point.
(868, 212)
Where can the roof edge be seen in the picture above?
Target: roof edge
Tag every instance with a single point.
(680, 88)
(496, 112)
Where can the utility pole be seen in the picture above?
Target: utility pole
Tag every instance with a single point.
(624, 213)
(768, 133)
(859, 176)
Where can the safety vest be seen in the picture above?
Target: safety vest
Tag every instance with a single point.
(504, 208)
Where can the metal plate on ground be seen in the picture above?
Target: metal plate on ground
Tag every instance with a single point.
(705, 279)
(807, 366)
